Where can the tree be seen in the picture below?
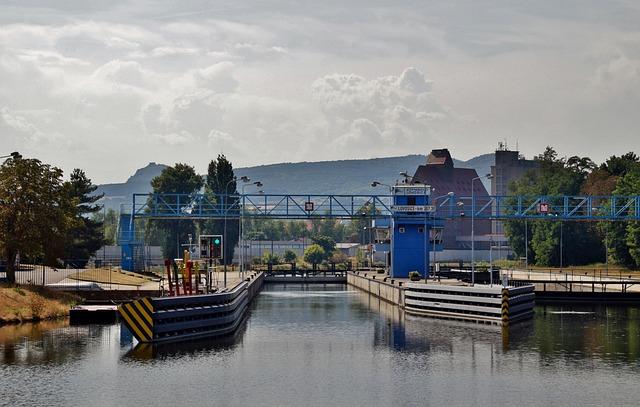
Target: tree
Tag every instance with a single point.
(354, 230)
(268, 257)
(179, 179)
(314, 254)
(327, 243)
(87, 235)
(555, 176)
(629, 184)
(34, 212)
(289, 256)
(109, 220)
(616, 182)
(221, 182)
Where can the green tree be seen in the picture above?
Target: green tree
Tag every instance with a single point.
(555, 176)
(296, 229)
(221, 182)
(327, 243)
(629, 185)
(314, 254)
(179, 179)
(34, 212)
(109, 220)
(268, 257)
(289, 256)
(613, 173)
(355, 230)
(86, 236)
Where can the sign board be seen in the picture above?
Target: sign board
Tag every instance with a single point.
(211, 246)
(413, 208)
(412, 190)
(308, 206)
(543, 207)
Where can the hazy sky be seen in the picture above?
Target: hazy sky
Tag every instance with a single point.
(110, 85)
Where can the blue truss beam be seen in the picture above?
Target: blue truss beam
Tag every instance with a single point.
(286, 206)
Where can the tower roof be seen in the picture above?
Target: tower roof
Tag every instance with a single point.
(440, 157)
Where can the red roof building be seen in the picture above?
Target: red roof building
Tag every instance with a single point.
(440, 173)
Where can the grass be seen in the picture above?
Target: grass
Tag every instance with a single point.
(112, 276)
(31, 303)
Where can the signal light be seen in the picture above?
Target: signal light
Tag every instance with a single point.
(211, 247)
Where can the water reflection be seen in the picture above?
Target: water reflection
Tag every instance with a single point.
(49, 342)
(611, 333)
(150, 351)
(332, 345)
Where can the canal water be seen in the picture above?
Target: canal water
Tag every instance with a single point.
(330, 345)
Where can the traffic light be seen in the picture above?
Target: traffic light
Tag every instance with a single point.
(211, 247)
(216, 247)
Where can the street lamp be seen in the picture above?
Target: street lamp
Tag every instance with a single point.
(258, 184)
(15, 156)
(406, 176)
(375, 184)
(473, 239)
(225, 209)
(433, 221)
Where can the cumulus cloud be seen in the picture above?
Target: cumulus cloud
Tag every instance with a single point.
(379, 114)
(180, 83)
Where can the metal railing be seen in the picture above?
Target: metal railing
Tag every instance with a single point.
(80, 275)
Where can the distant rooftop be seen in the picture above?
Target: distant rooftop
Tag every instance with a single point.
(440, 157)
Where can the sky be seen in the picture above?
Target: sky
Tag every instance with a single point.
(110, 85)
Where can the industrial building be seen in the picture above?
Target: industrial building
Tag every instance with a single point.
(509, 166)
(440, 173)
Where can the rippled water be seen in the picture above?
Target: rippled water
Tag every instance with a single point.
(329, 345)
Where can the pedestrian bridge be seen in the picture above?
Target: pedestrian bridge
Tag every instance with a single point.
(288, 206)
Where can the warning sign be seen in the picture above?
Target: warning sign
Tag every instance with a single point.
(543, 208)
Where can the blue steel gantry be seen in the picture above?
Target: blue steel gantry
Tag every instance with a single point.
(409, 210)
(288, 206)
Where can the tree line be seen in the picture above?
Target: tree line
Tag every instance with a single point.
(220, 180)
(582, 242)
(44, 218)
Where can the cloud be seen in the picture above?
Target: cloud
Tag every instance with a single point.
(380, 114)
(179, 82)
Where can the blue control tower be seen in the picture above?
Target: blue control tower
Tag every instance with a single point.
(416, 232)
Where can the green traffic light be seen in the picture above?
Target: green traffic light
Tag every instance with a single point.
(217, 241)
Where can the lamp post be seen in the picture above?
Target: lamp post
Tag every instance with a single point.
(104, 221)
(561, 224)
(433, 221)
(242, 250)
(225, 209)
(15, 156)
(473, 238)
(526, 245)
(375, 184)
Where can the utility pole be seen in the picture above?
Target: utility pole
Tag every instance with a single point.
(473, 237)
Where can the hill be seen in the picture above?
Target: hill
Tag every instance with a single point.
(323, 177)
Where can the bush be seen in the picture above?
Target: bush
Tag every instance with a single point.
(289, 256)
(414, 275)
(269, 257)
(338, 257)
(314, 254)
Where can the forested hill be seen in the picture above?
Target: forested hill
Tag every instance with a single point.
(324, 177)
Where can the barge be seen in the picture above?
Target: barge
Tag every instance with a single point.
(164, 319)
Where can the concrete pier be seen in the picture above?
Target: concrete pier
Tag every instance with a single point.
(481, 303)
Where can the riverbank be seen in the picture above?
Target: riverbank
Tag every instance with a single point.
(33, 303)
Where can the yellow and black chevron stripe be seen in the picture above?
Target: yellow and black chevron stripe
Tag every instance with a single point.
(138, 316)
(505, 307)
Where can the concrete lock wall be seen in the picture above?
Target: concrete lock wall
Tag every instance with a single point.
(379, 288)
